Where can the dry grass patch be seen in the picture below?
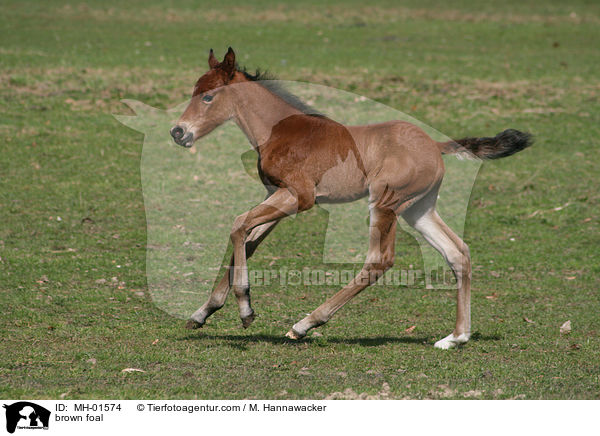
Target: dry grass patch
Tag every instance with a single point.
(332, 14)
(98, 89)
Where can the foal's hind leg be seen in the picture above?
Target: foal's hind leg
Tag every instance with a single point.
(380, 258)
(219, 294)
(425, 219)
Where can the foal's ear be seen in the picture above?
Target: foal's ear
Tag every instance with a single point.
(212, 60)
(228, 63)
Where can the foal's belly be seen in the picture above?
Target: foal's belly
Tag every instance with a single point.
(342, 183)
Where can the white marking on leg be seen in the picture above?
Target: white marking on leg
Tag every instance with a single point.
(450, 341)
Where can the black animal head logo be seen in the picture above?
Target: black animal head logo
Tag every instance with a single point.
(26, 415)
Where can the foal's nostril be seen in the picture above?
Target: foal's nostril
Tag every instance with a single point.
(176, 132)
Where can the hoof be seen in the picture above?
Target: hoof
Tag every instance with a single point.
(451, 341)
(192, 325)
(247, 320)
(292, 334)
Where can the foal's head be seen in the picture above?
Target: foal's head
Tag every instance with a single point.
(211, 103)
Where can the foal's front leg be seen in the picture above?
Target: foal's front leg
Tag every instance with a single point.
(219, 294)
(279, 205)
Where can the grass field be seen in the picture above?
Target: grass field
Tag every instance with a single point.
(75, 304)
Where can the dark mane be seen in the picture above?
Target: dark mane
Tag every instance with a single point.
(270, 82)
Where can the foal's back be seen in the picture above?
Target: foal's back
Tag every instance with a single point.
(338, 163)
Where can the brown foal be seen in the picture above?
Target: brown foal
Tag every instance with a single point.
(307, 158)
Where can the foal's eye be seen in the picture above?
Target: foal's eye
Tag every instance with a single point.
(207, 98)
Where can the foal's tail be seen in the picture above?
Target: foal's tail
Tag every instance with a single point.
(502, 145)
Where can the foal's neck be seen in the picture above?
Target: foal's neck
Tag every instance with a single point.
(257, 110)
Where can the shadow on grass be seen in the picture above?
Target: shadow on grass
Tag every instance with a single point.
(240, 341)
(479, 337)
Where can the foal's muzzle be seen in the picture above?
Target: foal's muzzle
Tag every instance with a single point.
(181, 137)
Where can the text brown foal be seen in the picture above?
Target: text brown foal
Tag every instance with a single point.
(306, 158)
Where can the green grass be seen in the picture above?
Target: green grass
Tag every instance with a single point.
(460, 69)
